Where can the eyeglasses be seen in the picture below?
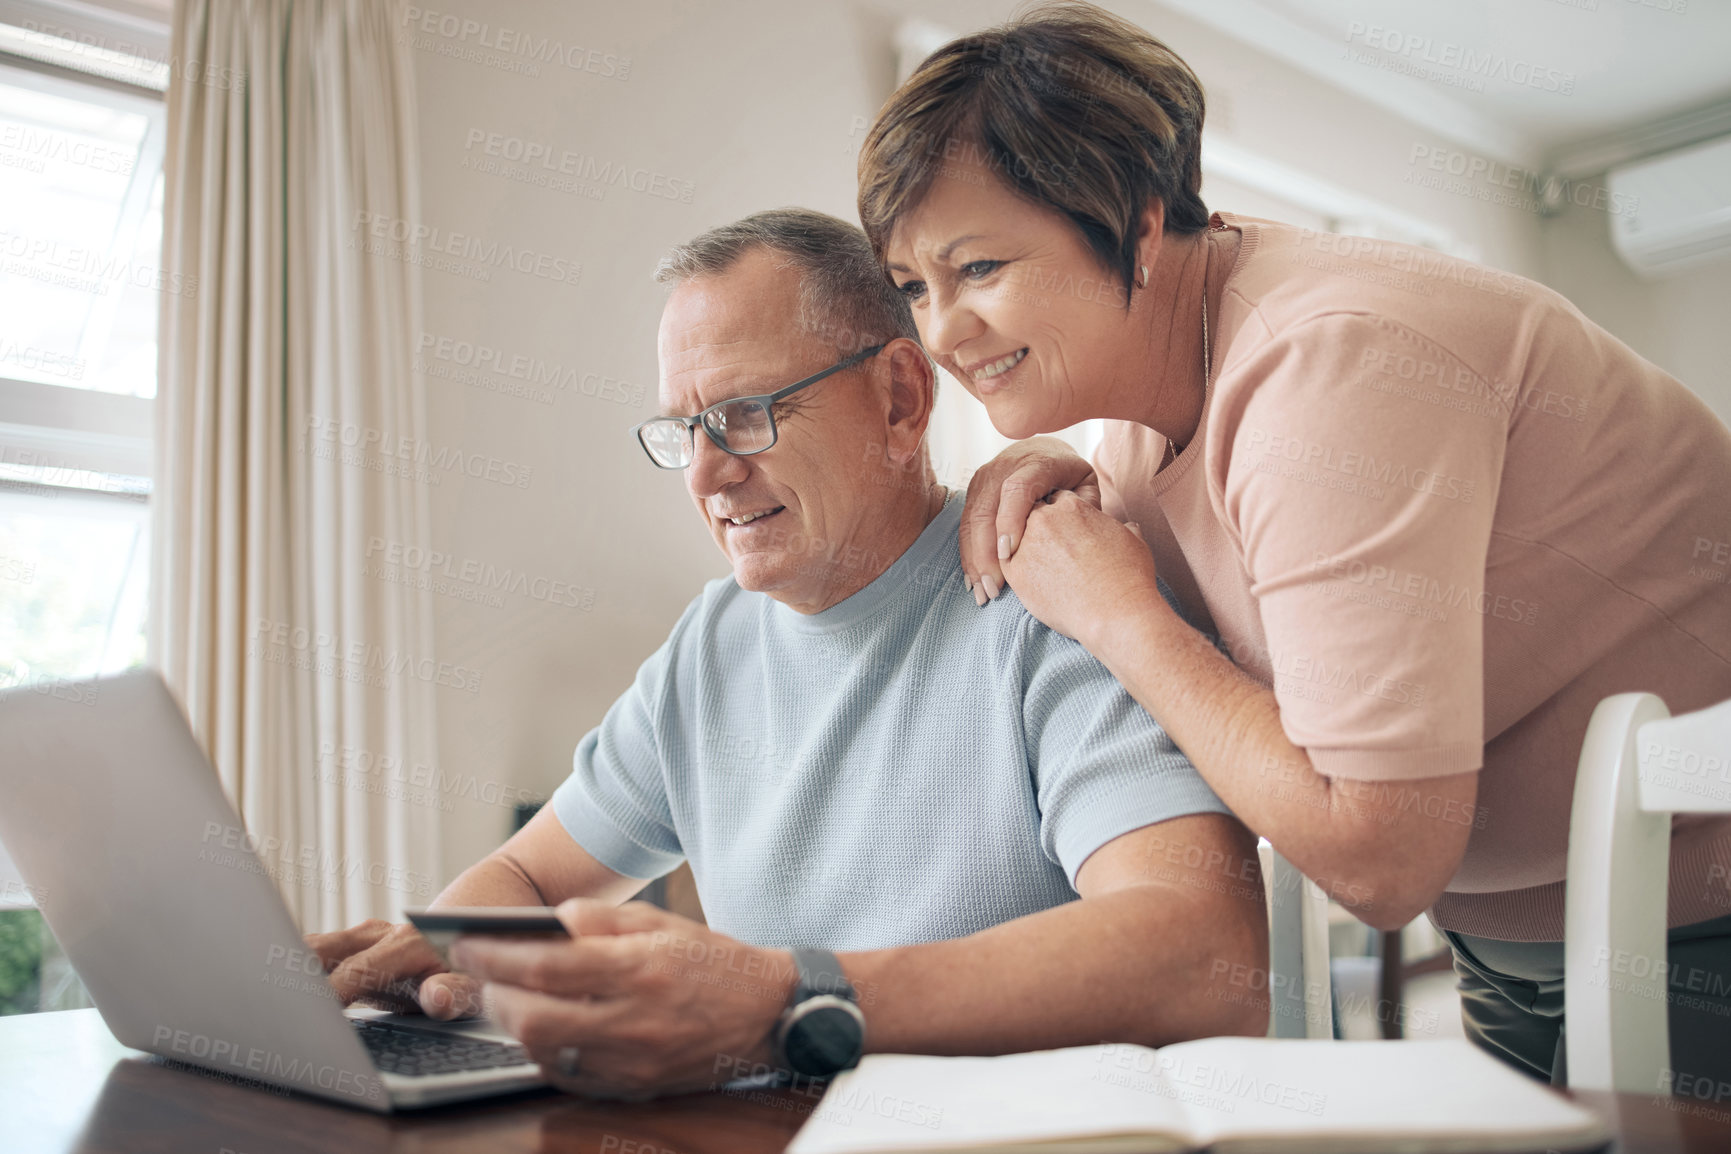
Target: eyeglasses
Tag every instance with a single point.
(741, 426)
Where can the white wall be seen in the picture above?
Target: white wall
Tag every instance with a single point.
(1681, 323)
(756, 104)
(751, 103)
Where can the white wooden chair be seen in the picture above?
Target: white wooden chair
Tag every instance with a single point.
(1639, 765)
(1301, 1000)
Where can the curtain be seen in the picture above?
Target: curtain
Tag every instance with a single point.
(288, 417)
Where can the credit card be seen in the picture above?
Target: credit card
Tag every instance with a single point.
(443, 926)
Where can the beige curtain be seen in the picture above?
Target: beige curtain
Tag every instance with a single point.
(285, 405)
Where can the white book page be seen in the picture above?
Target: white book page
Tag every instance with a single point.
(914, 1102)
(1235, 1089)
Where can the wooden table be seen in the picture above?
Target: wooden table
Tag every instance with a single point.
(66, 1085)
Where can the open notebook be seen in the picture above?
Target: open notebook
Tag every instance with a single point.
(1229, 1094)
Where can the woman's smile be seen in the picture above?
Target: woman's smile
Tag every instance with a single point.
(992, 375)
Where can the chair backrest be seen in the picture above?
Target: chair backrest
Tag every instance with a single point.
(1300, 994)
(1639, 765)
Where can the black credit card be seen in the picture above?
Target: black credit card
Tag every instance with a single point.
(443, 926)
(487, 920)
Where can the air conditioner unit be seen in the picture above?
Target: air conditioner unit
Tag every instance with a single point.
(1673, 211)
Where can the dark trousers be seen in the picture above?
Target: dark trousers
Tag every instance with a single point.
(1512, 1004)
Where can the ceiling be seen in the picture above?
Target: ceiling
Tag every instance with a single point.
(1604, 69)
(1616, 78)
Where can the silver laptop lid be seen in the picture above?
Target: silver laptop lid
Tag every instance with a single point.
(116, 819)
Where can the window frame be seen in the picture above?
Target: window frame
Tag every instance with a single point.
(79, 436)
(64, 426)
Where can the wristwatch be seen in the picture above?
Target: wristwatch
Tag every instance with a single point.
(822, 1031)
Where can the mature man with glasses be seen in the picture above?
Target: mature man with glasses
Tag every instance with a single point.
(890, 796)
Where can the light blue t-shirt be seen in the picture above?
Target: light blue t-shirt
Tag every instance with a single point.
(903, 767)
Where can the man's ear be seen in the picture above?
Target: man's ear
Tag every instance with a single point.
(912, 385)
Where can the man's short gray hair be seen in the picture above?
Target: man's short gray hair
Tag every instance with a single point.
(844, 298)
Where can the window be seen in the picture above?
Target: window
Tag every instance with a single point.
(81, 175)
(81, 286)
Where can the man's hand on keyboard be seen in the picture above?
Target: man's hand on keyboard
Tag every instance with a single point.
(639, 1002)
(391, 966)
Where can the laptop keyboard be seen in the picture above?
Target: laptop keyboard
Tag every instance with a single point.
(418, 1053)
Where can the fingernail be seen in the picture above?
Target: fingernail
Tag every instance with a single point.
(992, 587)
(1004, 547)
(967, 584)
(979, 592)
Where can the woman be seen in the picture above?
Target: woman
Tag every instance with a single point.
(1430, 512)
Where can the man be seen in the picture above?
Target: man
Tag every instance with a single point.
(852, 754)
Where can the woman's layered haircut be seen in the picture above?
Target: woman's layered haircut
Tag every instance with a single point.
(1070, 106)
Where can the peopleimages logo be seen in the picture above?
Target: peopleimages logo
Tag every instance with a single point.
(415, 457)
(264, 1064)
(392, 236)
(1711, 560)
(1485, 179)
(1224, 1086)
(48, 145)
(234, 847)
(508, 371)
(59, 688)
(528, 48)
(1421, 587)
(273, 639)
(34, 358)
(98, 57)
(1455, 64)
(1262, 448)
(397, 555)
(1423, 264)
(364, 770)
(540, 154)
(90, 270)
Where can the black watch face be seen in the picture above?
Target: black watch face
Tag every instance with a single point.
(825, 1040)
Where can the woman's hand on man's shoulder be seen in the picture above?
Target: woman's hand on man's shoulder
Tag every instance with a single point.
(1001, 495)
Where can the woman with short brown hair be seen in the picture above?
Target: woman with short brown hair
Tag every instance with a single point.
(1430, 511)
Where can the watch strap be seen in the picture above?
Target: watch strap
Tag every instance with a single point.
(820, 973)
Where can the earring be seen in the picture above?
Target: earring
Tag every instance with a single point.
(1144, 276)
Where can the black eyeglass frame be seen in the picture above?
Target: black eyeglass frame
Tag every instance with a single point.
(768, 400)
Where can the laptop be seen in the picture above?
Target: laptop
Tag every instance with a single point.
(118, 824)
